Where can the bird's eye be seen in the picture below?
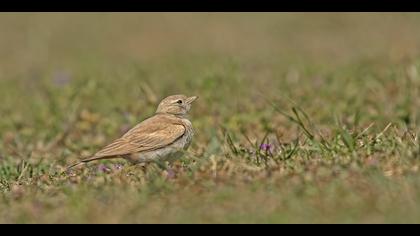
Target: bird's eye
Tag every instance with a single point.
(179, 101)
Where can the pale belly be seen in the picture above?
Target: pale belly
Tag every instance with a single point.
(163, 154)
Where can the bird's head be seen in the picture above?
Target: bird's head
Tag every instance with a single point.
(178, 105)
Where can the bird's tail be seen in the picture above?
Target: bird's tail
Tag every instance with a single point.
(75, 164)
(94, 158)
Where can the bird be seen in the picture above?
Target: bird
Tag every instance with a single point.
(165, 136)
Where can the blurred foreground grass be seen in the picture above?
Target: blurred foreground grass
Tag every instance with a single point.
(301, 117)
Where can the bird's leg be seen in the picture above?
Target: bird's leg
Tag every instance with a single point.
(162, 165)
(143, 167)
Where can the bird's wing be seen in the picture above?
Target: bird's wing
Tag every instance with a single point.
(151, 134)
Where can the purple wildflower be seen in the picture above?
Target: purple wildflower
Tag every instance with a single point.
(118, 166)
(103, 168)
(171, 174)
(62, 78)
(266, 147)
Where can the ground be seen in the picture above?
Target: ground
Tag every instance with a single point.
(302, 118)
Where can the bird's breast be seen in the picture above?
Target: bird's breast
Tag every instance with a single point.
(188, 135)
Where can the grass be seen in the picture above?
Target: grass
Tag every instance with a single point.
(302, 118)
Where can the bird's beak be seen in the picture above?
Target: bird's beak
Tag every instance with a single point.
(191, 99)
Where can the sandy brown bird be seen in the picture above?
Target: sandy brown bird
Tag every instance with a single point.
(162, 137)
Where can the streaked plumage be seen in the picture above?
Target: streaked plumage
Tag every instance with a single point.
(163, 136)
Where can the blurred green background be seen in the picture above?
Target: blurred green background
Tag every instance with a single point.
(71, 82)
